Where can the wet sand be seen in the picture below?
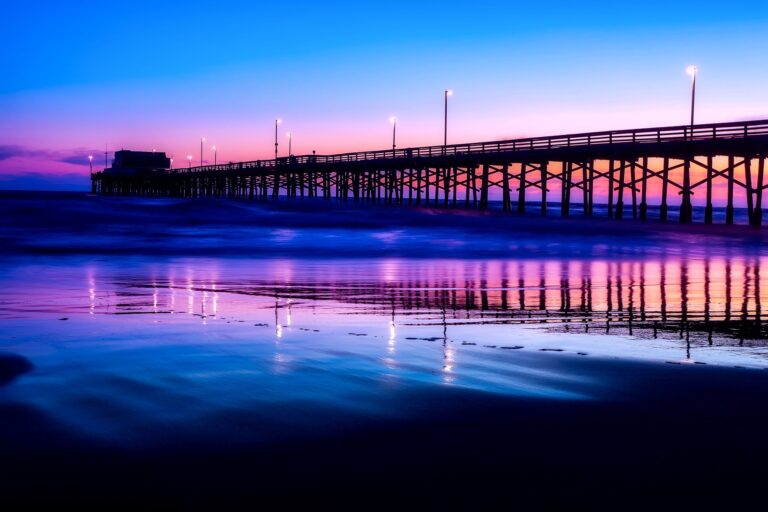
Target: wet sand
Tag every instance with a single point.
(617, 377)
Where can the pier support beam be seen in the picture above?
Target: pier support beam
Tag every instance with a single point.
(729, 206)
(758, 216)
(521, 190)
(544, 175)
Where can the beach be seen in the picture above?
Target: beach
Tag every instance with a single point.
(214, 353)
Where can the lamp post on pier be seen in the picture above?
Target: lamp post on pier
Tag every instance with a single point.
(691, 71)
(277, 122)
(448, 92)
(90, 163)
(215, 159)
(290, 140)
(189, 158)
(171, 162)
(202, 140)
(393, 120)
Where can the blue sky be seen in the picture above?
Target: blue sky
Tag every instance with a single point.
(159, 75)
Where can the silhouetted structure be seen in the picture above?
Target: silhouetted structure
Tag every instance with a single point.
(137, 163)
(624, 164)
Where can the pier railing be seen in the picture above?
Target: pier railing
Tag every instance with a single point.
(683, 133)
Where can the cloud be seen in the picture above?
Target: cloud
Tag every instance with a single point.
(75, 156)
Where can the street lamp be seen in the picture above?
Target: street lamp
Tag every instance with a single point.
(202, 139)
(90, 162)
(215, 159)
(171, 162)
(277, 122)
(448, 92)
(393, 120)
(290, 139)
(692, 70)
(189, 157)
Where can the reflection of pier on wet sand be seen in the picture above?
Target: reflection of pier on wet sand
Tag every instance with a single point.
(713, 300)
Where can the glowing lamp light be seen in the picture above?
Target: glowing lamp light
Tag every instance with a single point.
(691, 70)
(90, 158)
(449, 92)
(278, 121)
(189, 157)
(393, 119)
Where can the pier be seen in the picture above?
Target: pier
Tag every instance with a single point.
(632, 171)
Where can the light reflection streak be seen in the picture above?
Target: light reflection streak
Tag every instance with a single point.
(91, 294)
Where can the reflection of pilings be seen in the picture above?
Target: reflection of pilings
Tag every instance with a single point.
(616, 294)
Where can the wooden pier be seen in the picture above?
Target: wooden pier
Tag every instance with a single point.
(630, 171)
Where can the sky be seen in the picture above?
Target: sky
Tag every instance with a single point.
(81, 76)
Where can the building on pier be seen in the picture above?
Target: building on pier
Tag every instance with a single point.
(132, 163)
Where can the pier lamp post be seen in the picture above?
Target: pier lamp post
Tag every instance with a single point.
(691, 71)
(448, 92)
(202, 139)
(171, 162)
(277, 122)
(90, 163)
(215, 158)
(290, 140)
(189, 158)
(393, 120)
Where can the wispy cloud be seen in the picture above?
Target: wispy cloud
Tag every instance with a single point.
(75, 156)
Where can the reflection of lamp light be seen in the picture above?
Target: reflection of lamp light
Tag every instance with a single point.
(692, 71)
(448, 363)
(288, 314)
